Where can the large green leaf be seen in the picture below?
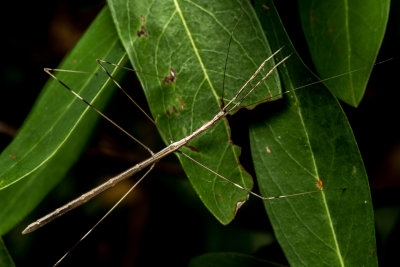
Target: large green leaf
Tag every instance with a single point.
(59, 125)
(344, 36)
(191, 37)
(307, 140)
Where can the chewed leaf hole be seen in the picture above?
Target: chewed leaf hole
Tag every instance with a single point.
(142, 32)
(171, 78)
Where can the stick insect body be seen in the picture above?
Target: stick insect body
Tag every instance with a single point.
(155, 157)
(174, 147)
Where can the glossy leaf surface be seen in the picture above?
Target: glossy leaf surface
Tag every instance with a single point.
(344, 36)
(191, 38)
(306, 144)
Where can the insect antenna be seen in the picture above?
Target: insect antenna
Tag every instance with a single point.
(226, 62)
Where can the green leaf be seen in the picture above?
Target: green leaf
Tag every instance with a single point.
(344, 36)
(231, 259)
(56, 130)
(191, 37)
(5, 258)
(307, 139)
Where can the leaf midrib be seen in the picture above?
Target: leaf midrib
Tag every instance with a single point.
(196, 51)
(352, 89)
(317, 174)
(204, 70)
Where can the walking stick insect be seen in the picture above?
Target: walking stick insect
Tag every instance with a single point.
(267, 149)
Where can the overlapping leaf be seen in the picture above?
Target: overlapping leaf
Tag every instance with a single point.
(59, 125)
(304, 145)
(191, 37)
(344, 36)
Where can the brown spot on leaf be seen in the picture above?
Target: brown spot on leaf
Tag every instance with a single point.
(371, 253)
(142, 31)
(181, 102)
(330, 29)
(168, 112)
(12, 156)
(171, 78)
(175, 109)
(142, 18)
(74, 61)
(265, 6)
(192, 148)
(319, 184)
(313, 17)
(268, 149)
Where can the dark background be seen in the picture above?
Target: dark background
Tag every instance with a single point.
(164, 222)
